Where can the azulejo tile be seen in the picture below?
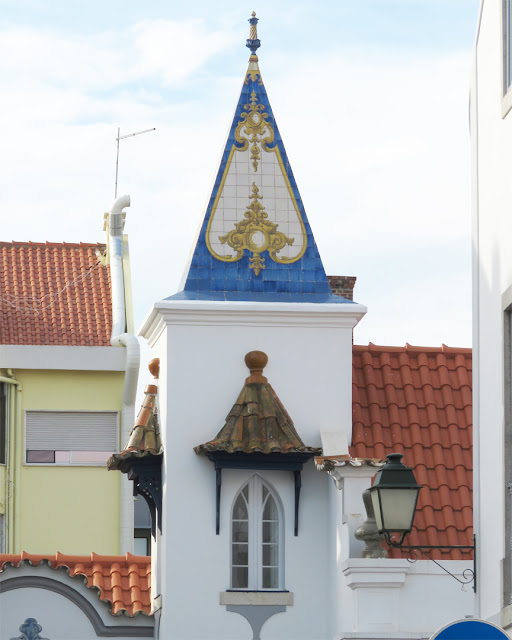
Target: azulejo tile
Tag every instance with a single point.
(259, 176)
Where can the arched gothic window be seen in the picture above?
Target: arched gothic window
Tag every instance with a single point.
(256, 538)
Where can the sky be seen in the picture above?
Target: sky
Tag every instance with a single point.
(371, 99)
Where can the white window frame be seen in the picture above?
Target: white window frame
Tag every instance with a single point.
(255, 543)
(70, 462)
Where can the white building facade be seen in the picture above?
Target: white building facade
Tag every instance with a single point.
(491, 138)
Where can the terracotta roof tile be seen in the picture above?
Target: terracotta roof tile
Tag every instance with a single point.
(54, 294)
(144, 438)
(417, 401)
(258, 421)
(124, 582)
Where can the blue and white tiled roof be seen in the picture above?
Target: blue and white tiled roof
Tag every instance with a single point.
(255, 242)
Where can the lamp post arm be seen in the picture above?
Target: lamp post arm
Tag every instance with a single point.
(469, 575)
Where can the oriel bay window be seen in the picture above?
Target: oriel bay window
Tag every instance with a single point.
(256, 538)
(259, 435)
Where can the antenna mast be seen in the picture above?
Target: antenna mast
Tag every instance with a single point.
(120, 137)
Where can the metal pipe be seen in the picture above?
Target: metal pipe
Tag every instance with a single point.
(120, 338)
(13, 464)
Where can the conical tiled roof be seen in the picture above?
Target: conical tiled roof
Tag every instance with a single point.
(255, 241)
(145, 436)
(258, 421)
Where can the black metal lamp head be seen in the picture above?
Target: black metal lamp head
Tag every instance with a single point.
(395, 496)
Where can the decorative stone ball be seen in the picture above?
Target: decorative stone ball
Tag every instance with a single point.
(256, 360)
(154, 367)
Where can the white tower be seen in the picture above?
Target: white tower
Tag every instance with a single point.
(255, 283)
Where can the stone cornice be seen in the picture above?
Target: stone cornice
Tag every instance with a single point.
(249, 314)
(62, 358)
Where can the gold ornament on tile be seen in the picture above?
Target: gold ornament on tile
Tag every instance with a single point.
(254, 75)
(253, 72)
(256, 234)
(256, 126)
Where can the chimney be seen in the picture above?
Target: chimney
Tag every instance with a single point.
(342, 286)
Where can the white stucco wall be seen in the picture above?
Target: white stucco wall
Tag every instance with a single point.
(201, 349)
(62, 605)
(387, 598)
(390, 598)
(491, 139)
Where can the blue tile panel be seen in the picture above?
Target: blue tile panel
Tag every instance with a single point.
(255, 296)
(211, 279)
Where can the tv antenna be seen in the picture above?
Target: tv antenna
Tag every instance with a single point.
(120, 137)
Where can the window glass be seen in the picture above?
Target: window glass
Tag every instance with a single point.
(255, 538)
(140, 546)
(41, 456)
(141, 514)
(142, 527)
(240, 508)
(142, 542)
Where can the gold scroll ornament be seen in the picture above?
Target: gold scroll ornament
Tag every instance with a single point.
(257, 234)
(256, 125)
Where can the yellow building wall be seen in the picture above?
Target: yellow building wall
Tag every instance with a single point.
(70, 509)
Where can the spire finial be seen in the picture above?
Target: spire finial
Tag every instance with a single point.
(256, 361)
(253, 43)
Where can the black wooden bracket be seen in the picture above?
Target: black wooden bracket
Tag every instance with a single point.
(218, 486)
(146, 474)
(258, 461)
(298, 484)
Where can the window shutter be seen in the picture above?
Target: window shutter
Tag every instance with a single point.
(71, 430)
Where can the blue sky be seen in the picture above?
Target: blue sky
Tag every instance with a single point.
(372, 104)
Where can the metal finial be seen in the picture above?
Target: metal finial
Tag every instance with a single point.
(253, 43)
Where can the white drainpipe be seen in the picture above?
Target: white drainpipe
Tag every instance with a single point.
(120, 338)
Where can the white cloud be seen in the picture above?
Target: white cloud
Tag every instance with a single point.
(173, 50)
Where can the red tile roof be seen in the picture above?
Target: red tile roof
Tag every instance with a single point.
(418, 401)
(124, 582)
(54, 294)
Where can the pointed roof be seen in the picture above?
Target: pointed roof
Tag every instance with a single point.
(255, 241)
(258, 421)
(145, 436)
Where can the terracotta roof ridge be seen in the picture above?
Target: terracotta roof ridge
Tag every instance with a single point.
(411, 348)
(62, 558)
(86, 567)
(49, 243)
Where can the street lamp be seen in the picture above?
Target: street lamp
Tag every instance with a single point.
(394, 497)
